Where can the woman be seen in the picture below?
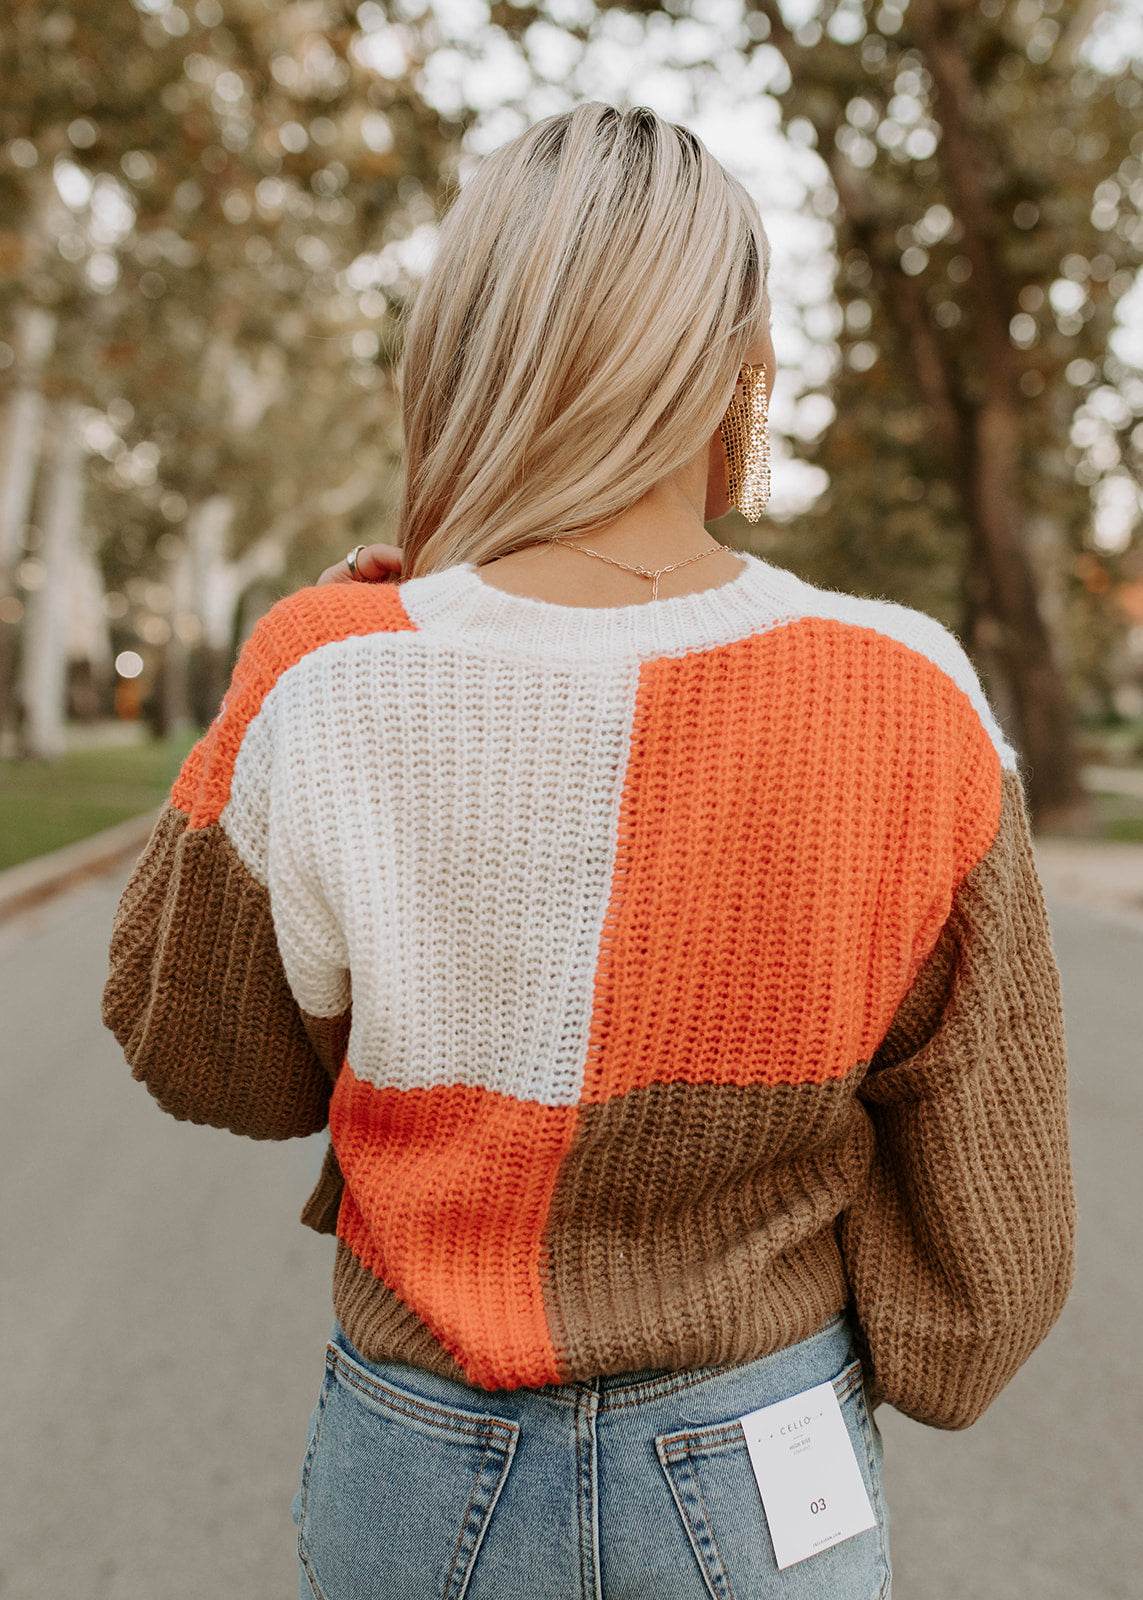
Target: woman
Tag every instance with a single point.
(658, 936)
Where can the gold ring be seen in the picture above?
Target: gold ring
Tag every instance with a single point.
(351, 563)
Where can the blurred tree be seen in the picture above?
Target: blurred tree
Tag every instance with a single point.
(218, 212)
(218, 209)
(984, 183)
(988, 192)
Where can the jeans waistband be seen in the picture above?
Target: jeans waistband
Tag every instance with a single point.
(616, 1390)
(632, 1388)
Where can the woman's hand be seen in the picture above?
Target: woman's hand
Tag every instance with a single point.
(375, 564)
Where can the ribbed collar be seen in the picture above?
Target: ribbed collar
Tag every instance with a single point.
(458, 603)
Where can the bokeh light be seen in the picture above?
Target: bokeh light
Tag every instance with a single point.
(128, 663)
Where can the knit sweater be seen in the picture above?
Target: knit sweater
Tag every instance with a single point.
(669, 976)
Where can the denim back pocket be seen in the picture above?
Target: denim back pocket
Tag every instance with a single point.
(714, 1487)
(397, 1491)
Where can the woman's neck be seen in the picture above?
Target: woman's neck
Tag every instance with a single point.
(662, 528)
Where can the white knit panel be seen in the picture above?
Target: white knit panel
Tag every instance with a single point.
(761, 597)
(455, 815)
(310, 941)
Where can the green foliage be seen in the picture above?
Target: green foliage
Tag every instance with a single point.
(1059, 153)
(212, 200)
(46, 805)
(1119, 817)
(979, 436)
(219, 202)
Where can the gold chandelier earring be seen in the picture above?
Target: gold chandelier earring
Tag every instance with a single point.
(746, 439)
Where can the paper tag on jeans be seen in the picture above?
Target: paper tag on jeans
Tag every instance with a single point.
(811, 1486)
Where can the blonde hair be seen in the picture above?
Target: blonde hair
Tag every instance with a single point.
(579, 334)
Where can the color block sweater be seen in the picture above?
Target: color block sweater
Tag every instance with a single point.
(669, 977)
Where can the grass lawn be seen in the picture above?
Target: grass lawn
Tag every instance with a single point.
(46, 804)
(1120, 817)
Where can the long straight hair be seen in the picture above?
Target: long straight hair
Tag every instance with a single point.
(579, 334)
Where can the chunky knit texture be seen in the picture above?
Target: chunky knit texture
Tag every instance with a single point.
(668, 975)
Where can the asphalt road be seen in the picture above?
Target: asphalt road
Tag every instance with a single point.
(163, 1320)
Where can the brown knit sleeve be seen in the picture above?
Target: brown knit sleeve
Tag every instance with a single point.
(198, 998)
(959, 1251)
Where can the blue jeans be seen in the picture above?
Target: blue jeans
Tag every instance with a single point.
(632, 1487)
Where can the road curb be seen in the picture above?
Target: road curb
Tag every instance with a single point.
(32, 881)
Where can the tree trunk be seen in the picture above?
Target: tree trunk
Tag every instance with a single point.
(220, 583)
(1005, 625)
(981, 441)
(36, 330)
(88, 635)
(43, 683)
(20, 445)
(992, 492)
(208, 529)
(177, 716)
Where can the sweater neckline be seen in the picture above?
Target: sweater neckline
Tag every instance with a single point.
(457, 601)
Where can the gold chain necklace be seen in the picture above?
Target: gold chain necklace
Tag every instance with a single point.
(642, 572)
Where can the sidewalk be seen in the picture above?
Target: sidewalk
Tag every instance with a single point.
(1102, 875)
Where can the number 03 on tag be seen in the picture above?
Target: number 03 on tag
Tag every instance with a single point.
(811, 1486)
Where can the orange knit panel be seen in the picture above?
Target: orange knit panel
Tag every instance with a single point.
(293, 628)
(447, 1192)
(798, 808)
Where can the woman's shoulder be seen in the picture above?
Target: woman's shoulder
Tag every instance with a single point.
(301, 624)
(903, 629)
(327, 613)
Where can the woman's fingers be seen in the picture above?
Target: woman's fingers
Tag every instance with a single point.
(375, 563)
(378, 562)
